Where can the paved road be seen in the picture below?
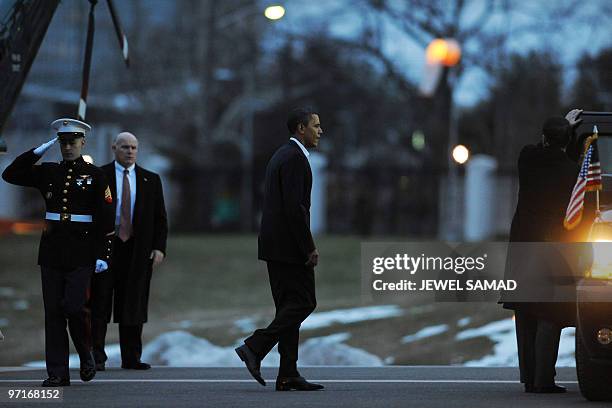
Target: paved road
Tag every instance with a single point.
(394, 386)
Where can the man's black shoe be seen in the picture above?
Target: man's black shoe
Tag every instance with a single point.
(296, 383)
(88, 368)
(252, 362)
(87, 373)
(138, 365)
(100, 366)
(529, 387)
(54, 381)
(552, 389)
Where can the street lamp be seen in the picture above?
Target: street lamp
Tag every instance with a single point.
(445, 51)
(274, 12)
(441, 55)
(461, 154)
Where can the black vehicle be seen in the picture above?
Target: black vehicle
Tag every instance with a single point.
(594, 291)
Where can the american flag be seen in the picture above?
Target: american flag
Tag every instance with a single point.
(589, 179)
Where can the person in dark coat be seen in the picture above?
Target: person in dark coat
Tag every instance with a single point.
(75, 243)
(139, 246)
(286, 244)
(536, 261)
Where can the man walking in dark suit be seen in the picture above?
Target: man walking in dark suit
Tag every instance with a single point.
(546, 179)
(286, 244)
(75, 243)
(139, 246)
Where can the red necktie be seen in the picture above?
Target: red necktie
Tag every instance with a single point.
(125, 221)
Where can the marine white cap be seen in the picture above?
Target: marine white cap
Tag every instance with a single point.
(73, 126)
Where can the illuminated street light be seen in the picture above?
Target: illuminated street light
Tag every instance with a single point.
(440, 53)
(461, 154)
(275, 12)
(443, 51)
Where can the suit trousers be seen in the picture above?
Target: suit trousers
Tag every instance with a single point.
(65, 293)
(293, 291)
(130, 340)
(538, 347)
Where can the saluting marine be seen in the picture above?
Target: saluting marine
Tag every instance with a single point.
(75, 243)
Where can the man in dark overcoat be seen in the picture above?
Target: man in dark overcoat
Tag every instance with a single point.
(139, 246)
(538, 262)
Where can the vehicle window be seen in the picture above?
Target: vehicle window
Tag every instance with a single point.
(605, 158)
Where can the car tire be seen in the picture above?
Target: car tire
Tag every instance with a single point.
(594, 379)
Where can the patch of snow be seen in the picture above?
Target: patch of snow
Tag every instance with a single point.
(502, 333)
(246, 325)
(185, 324)
(425, 332)
(345, 316)
(182, 349)
(21, 304)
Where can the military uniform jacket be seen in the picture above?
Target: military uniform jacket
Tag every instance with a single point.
(69, 187)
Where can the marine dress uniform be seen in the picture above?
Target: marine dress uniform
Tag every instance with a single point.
(76, 241)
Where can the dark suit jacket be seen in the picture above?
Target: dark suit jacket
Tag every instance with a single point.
(150, 226)
(285, 225)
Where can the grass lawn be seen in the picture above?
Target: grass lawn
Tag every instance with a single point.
(209, 281)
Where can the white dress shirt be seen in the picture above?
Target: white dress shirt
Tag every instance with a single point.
(306, 152)
(132, 179)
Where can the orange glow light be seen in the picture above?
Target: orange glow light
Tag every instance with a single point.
(26, 228)
(443, 51)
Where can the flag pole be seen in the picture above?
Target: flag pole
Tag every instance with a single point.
(597, 212)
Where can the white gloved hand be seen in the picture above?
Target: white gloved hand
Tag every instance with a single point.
(101, 266)
(42, 149)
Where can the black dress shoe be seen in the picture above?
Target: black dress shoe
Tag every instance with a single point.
(88, 369)
(100, 366)
(138, 365)
(252, 362)
(551, 389)
(87, 373)
(296, 383)
(54, 381)
(529, 387)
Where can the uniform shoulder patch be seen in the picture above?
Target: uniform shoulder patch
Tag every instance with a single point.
(108, 197)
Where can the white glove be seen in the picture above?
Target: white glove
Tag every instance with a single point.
(101, 266)
(42, 149)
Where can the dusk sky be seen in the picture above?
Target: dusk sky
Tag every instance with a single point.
(583, 33)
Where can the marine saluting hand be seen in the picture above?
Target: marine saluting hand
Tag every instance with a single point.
(42, 149)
